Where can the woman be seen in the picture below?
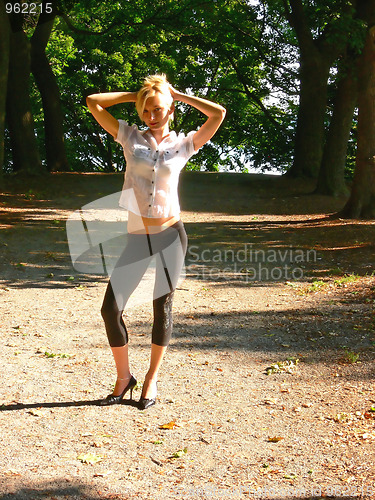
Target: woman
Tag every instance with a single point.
(154, 160)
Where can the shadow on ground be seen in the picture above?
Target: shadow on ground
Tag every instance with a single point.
(55, 490)
(34, 249)
(38, 255)
(58, 490)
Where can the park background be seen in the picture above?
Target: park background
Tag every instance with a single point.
(268, 385)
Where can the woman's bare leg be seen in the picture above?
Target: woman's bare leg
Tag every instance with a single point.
(149, 385)
(121, 357)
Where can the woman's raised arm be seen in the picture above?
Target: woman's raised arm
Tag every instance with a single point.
(213, 111)
(97, 104)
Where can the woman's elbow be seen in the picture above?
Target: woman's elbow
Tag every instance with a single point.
(221, 113)
(89, 99)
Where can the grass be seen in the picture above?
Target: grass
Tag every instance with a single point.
(348, 278)
(318, 285)
(52, 355)
(351, 357)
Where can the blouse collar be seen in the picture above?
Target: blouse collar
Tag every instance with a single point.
(171, 137)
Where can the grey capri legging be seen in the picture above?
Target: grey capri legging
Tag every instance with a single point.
(169, 246)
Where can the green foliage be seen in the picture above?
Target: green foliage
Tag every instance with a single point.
(351, 357)
(212, 49)
(241, 54)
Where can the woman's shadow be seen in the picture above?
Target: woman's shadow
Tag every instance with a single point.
(62, 404)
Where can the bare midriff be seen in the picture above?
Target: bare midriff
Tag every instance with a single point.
(149, 225)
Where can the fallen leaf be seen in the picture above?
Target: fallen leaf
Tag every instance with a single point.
(341, 417)
(270, 401)
(36, 413)
(170, 425)
(179, 453)
(90, 458)
(275, 439)
(288, 366)
(290, 476)
(12, 472)
(103, 474)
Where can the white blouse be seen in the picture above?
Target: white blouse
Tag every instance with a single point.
(152, 170)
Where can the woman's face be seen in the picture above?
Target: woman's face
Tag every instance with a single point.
(157, 111)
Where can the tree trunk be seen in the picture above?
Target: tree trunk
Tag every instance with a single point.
(19, 115)
(4, 64)
(362, 199)
(331, 179)
(49, 90)
(316, 57)
(309, 138)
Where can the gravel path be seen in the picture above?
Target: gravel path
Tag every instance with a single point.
(267, 387)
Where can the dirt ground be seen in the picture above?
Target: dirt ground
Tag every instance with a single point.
(267, 389)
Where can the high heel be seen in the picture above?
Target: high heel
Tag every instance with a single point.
(111, 399)
(145, 403)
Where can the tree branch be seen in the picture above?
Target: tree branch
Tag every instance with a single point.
(298, 21)
(251, 94)
(114, 24)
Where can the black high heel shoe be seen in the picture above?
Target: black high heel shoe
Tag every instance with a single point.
(145, 403)
(111, 399)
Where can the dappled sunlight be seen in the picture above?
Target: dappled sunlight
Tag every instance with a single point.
(330, 323)
(216, 239)
(239, 313)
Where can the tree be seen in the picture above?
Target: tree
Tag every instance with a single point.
(331, 179)
(121, 47)
(237, 52)
(362, 199)
(322, 33)
(4, 63)
(220, 50)
(49, 91)
(255, 67)
(19, 115)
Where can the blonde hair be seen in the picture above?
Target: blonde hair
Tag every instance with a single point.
(151, 85)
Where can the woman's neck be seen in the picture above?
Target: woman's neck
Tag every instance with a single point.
(160, 134)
